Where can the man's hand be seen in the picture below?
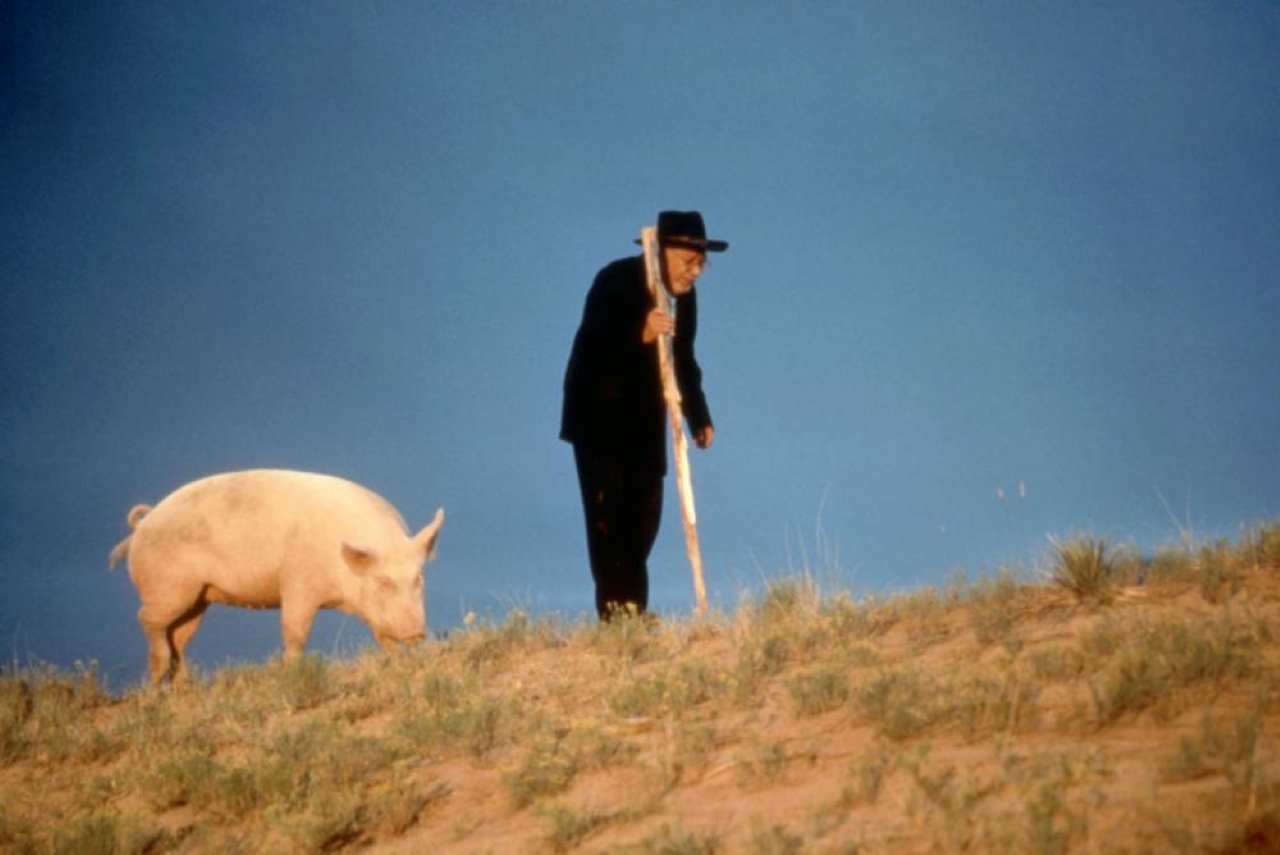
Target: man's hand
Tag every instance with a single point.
(657, 323)
(705, 437)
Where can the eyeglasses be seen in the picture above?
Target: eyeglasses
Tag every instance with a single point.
(694, 262)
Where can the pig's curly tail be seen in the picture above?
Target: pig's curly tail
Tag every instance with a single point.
(136, 513)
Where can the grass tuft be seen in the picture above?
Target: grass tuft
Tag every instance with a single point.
(819, 690)
(546, 770)
(1087, 567)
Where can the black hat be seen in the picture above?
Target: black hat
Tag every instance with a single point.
(685, 229)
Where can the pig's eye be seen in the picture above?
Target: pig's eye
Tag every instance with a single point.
(386, 585)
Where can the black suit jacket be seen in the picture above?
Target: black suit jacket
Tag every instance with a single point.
(613, 404)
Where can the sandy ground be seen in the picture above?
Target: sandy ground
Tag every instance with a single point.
(1033, 766)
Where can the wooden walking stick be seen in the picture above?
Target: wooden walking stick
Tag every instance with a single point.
(671, 393)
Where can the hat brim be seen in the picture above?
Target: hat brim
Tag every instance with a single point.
(696, 244)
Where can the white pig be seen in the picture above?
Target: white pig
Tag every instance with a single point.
(267, 539)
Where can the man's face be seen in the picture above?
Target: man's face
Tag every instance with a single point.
(683, 267)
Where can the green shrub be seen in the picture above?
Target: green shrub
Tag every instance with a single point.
(547, 770)
(787, 599)
(818, 690)
(183, 777)
(1158, 660)
(664, 692)
(491, 645)
(773, 839)
(676, 840)
(986, 703)
(1086, 566)
(569, 827)
(869, 772)
(451, 716)
(95, 834)
(901, 703)
(762, 763)
(306, 682)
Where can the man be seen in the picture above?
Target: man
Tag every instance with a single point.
(614, 413)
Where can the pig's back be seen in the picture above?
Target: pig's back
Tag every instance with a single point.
(260, 518)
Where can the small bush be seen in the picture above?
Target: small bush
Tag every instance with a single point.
(490, 645)
(627, 637)
(594, 748)
(818, 691)
(759, 659)
(1169, 565)
(691, 752)
(182, 777)
(984, 704)
(676, 840)
(546, 770)
(16, 707)
(774, 839)
(15, 835)
(306, 682)
(762, 763)
(396, 808)
(869, 773)
(1052, 826)
(900, 702)
(1219, 574)
(859, 620)
(785, 600)
(1057, 663)
(451, 715)
(1157, 661)
(1087, 567)
(569, 827)
(666, 692)
(44, 710)
(327, 822)
(1261, 546)
(944, 797)
(992, 609)
(88, 835)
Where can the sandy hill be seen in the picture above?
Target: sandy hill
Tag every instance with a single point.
(993, 716)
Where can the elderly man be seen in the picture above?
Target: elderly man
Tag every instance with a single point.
(614, 413)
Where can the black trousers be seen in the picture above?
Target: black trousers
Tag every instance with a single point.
(622, 505)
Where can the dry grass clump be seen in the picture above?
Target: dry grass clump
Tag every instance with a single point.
(996, 715)
(1166, 664)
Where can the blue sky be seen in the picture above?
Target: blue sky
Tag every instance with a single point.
(974, 245)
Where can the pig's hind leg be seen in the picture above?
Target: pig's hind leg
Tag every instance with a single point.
(180, 633)
(158, 653)
(168, 626)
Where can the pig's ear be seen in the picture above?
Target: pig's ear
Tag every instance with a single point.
(359, 558)
(425, 540)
